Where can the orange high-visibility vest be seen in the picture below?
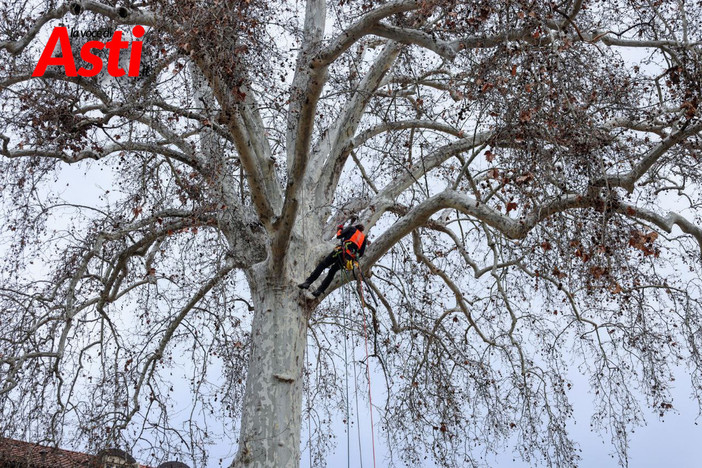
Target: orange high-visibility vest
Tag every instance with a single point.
(357, 239)
(353, 244)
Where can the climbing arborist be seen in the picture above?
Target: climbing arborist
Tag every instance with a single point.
(353, 245)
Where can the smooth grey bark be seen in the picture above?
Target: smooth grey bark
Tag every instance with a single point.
(271, 418)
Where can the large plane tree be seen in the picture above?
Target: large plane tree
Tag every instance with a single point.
(528, 173)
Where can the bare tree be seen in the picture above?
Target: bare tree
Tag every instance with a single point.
(529, 170)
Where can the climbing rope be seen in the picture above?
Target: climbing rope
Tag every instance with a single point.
(346, 300)
(358, 422)
(359, 294)
(346, 375)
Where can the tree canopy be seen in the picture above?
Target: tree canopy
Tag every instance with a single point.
(528, 172)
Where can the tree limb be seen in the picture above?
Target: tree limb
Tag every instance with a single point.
(348, 123)
(363, 27)
(307, 86)
(628, 179)
(510, 227)
(416, 37)
(389, 193)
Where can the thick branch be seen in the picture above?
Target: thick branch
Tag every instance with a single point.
(627, 180)
(363, 27)
(665, 223)
(348, 123)
(307, 86)
(526, 35)
(232, 118)
(417, 37)
(609, 39)
(366, 135)
(123, 15)
(92, 154)
(387, 196)
(510, 227)
(15, 47)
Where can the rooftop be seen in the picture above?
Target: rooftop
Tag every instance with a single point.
(19, 454)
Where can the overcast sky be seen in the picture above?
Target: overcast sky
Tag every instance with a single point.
(674, 441)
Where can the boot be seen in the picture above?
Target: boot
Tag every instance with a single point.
(304, 285)
(317, 293)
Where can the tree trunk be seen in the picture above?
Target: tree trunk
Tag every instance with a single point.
(271, 419)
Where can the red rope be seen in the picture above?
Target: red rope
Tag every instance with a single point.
(370, 398)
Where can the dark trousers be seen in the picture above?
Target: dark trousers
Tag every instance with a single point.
(333, 262)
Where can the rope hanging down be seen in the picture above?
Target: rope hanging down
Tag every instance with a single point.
(346, 300)
(359, 294)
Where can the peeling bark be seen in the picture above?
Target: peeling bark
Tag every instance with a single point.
(270, 429)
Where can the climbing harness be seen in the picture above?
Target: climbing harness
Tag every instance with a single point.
(353, 244)
(350, 264)
(347, 258)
